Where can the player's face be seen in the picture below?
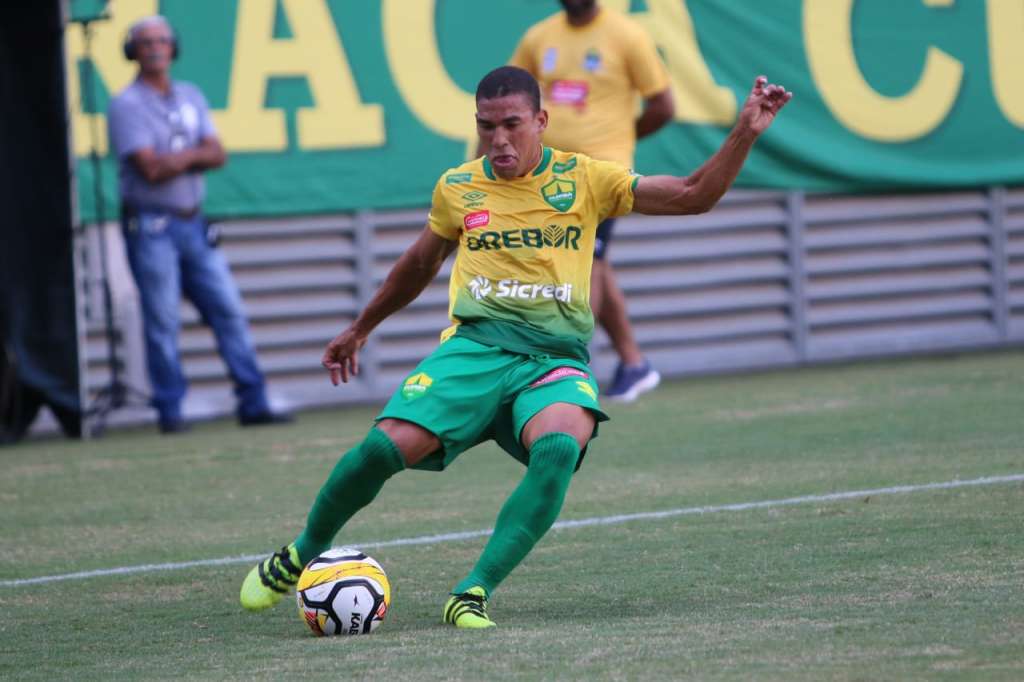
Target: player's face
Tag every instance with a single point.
(510, 132)
(154, 48)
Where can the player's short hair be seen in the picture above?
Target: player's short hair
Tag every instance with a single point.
(509, 80)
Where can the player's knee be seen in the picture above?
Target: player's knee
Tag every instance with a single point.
(552, 463)
(573, 420)
(554, 454)
(379, 452)
(413, 441)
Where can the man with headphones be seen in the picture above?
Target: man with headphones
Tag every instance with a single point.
(164, 139)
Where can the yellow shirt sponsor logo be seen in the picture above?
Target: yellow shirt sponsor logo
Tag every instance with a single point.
(554, 236)
(481, 287)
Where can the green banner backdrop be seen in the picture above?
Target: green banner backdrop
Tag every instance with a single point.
(334, 105)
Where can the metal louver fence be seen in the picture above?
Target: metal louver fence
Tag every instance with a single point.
(768, 279)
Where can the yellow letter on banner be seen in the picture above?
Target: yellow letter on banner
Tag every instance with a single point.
(337, 119)
(698, 98)
(410, 40)
(1006, 56)
(828, 39)
(110, 66)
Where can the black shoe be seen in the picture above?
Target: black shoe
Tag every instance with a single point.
(266, 419)
(172, 426)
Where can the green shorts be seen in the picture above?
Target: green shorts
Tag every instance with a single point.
(466, 393)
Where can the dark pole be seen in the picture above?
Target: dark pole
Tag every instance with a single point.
(117, 393)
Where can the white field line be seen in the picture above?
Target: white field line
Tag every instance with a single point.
(579, 523)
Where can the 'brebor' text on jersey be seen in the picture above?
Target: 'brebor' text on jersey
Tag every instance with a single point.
(526, 238)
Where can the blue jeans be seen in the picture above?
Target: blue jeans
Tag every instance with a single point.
(604, 238)
(169, 256)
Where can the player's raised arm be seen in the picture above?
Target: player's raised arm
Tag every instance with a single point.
(415, 269)
(700, 191)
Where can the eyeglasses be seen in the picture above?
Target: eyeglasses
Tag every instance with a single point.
(159, 40)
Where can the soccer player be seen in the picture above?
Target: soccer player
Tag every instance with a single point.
(513, 365)
(593, 64)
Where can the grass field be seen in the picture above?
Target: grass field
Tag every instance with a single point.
(922, 584)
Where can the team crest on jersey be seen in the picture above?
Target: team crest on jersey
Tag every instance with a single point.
(592, 60)
(560, 193)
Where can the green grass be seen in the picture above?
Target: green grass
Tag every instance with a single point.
(923, 585)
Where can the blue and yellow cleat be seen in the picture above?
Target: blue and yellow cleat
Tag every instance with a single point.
(468, 610)
(271, 579)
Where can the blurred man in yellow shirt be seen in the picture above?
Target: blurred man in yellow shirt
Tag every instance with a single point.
(593, 64)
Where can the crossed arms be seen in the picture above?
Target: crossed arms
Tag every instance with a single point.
(156, 167)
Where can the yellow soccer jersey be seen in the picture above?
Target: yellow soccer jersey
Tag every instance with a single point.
(526, 245)
(590, 77)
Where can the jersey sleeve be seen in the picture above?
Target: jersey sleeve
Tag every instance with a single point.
(440, 218)
(646, 70)
(127, 128)
(611, 186)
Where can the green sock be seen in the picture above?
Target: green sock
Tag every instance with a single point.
(355, 481)
(529, 511)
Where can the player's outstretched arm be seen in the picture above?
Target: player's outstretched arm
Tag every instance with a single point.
(415, 269)
(700, 191)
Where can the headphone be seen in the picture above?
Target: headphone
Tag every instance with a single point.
(131, 51)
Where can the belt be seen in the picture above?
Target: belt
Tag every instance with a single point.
(135, 209)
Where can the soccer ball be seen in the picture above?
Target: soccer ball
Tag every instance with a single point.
(343, 592)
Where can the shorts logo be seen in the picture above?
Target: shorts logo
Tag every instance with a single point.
(560, 373)
(476, 219)
(480, 286)
(586, 388)
(416, 385)
(560, 193)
